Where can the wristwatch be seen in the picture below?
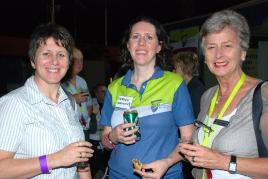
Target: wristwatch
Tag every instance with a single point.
(232, 165)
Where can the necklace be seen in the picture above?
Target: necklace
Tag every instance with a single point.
(218, 99)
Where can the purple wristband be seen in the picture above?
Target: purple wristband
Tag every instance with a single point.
(43, 164)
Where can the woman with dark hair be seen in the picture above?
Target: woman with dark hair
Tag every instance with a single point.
(161, 56)
(40, 132)
(160, 97)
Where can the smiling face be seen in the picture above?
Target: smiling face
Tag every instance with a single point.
(143, 44)
(51, 63)
(78, 61)
(223, 53)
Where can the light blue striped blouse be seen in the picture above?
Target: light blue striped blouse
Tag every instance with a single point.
(32, 125)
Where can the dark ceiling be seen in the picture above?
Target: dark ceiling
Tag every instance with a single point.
(85, 19)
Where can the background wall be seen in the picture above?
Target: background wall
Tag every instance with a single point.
(262, 62)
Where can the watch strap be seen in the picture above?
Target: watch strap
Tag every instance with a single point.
(232, 164)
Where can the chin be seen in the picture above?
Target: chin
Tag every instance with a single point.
(54, 80)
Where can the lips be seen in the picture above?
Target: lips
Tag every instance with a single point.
(52, 70)
(220, 64)
(141, 52)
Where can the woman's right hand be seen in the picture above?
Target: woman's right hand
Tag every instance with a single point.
(156, 169)
(119, 134)
(73, 153)
(81, 97)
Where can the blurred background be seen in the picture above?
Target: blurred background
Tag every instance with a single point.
(97, 26)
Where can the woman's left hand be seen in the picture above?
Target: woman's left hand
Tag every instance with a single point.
(204, 157)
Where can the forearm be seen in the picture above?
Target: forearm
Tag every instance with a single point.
(19, 168)
(186, 136)
(174, 157)
(26, 168)
(186, 133)
(253, 167)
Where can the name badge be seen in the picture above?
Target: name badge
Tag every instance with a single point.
(124, 102)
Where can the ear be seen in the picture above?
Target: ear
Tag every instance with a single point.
(159, 47)
(128, 46)
(32, 64)
(243, 55)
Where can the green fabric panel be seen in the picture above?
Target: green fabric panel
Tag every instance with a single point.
(157, 90)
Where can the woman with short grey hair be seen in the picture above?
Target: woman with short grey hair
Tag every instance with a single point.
(225, 140)
(220, 20)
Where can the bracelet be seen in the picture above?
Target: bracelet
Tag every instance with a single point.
(43, 164)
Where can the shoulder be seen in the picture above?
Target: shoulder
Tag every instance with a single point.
(115, 83)
(208, 94)
(172, 76)
(171, 80)
(80, 79)
(264, 91)
(16, 100)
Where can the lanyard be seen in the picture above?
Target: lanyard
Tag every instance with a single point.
(208, 135)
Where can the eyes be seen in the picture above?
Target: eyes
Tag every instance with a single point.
(213, 46)
(148, 38)
(59, 55)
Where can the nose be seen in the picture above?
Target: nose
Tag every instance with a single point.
(142, 40)
(218, 52)
(54, 60)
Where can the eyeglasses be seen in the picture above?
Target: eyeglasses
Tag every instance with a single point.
(207, 128)
(148, 38)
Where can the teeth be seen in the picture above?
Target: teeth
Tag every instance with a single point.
(141, 52)
(53, 70)
(220, 63)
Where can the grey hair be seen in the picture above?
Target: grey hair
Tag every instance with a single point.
(220, 20)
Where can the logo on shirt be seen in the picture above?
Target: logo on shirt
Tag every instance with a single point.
(155, 105)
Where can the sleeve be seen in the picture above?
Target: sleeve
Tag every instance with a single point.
(107, 110)
(264, 117)
(11, 124)
(182, 106)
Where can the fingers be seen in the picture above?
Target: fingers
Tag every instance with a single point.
(193, 157)
(81, 97)
(123, 135)
(83, 149)
(188, 149)
(84, 155)
(151, 175)
(201, 156)
(83, 143)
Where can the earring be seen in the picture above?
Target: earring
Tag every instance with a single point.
(32, 64)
